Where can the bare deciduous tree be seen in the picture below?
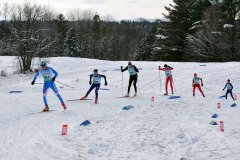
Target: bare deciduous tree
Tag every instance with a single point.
(29, 38)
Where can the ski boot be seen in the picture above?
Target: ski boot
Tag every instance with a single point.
(64, 106)
(46, 109)
(193, 94)
(127, 95)
(165, 94)
(84, 97)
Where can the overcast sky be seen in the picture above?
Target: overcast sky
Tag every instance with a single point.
(119, 9)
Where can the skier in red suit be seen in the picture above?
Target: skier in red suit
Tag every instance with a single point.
(168, 72)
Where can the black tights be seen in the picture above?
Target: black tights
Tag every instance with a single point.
(133, 78)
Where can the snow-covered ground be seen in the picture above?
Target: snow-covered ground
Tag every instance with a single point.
(170, 130)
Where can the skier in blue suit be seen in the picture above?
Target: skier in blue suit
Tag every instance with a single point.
(49, 76)
(229, 87)
(95, 82)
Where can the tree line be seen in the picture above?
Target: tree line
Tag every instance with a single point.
(32, 30)
(192, 30)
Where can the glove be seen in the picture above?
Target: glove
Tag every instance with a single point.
(53, 79)
(106, 83)
(121, 68)
(202, 84)
(32, 82)
(223, 89)
(90, 82)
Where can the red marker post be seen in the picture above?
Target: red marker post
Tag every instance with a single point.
(152, 99)
(222, 126)
(218, 105)
(64, 129)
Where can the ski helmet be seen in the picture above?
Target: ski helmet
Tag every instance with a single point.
(129, 63)
(95, 70)
(165, 65)
(228, 80)
(43, 64)
(195, 74)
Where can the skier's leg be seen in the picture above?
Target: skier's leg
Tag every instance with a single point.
(130, 84)
(135, 83)
(194, 88)
(226, 94)
(55, 90)
(96, 90)
(166, 85)
(231, 95)
(171, 84)
(200, 89)
(90, 89)
(45, 91)
(96, 93)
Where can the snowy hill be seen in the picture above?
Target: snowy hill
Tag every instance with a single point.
(170, 130)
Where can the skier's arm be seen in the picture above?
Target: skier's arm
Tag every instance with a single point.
(105, 79)
(162, 69)
(36, 76)
(192, 82)
(135, 68)
(201, 82)
(90, 79)
(225, 87)
(55, 73)
(231, 85)
(124, 69)
(171, 68)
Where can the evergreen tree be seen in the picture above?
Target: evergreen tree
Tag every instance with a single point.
(217, 36)
(70, 44)
(96, 35)
(178, 25)
(231, 11)
(145, 51)
(61, 31)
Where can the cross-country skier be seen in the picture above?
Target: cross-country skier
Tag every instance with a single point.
(133, 71)
(49, 76)
(229, 87)
(95, 82)
(196, 84)
(169, 78)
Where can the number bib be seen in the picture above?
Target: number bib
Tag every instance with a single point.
(131, 70)
(97, 79)
(168, 72)
(196, 80)
(47, 75)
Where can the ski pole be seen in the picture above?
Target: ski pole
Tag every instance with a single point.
(173, 84)
(112, 85)
(160, 79)
(38, 83)
(122, 83)
(207, 88)
(65, 84)
(138, 87)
